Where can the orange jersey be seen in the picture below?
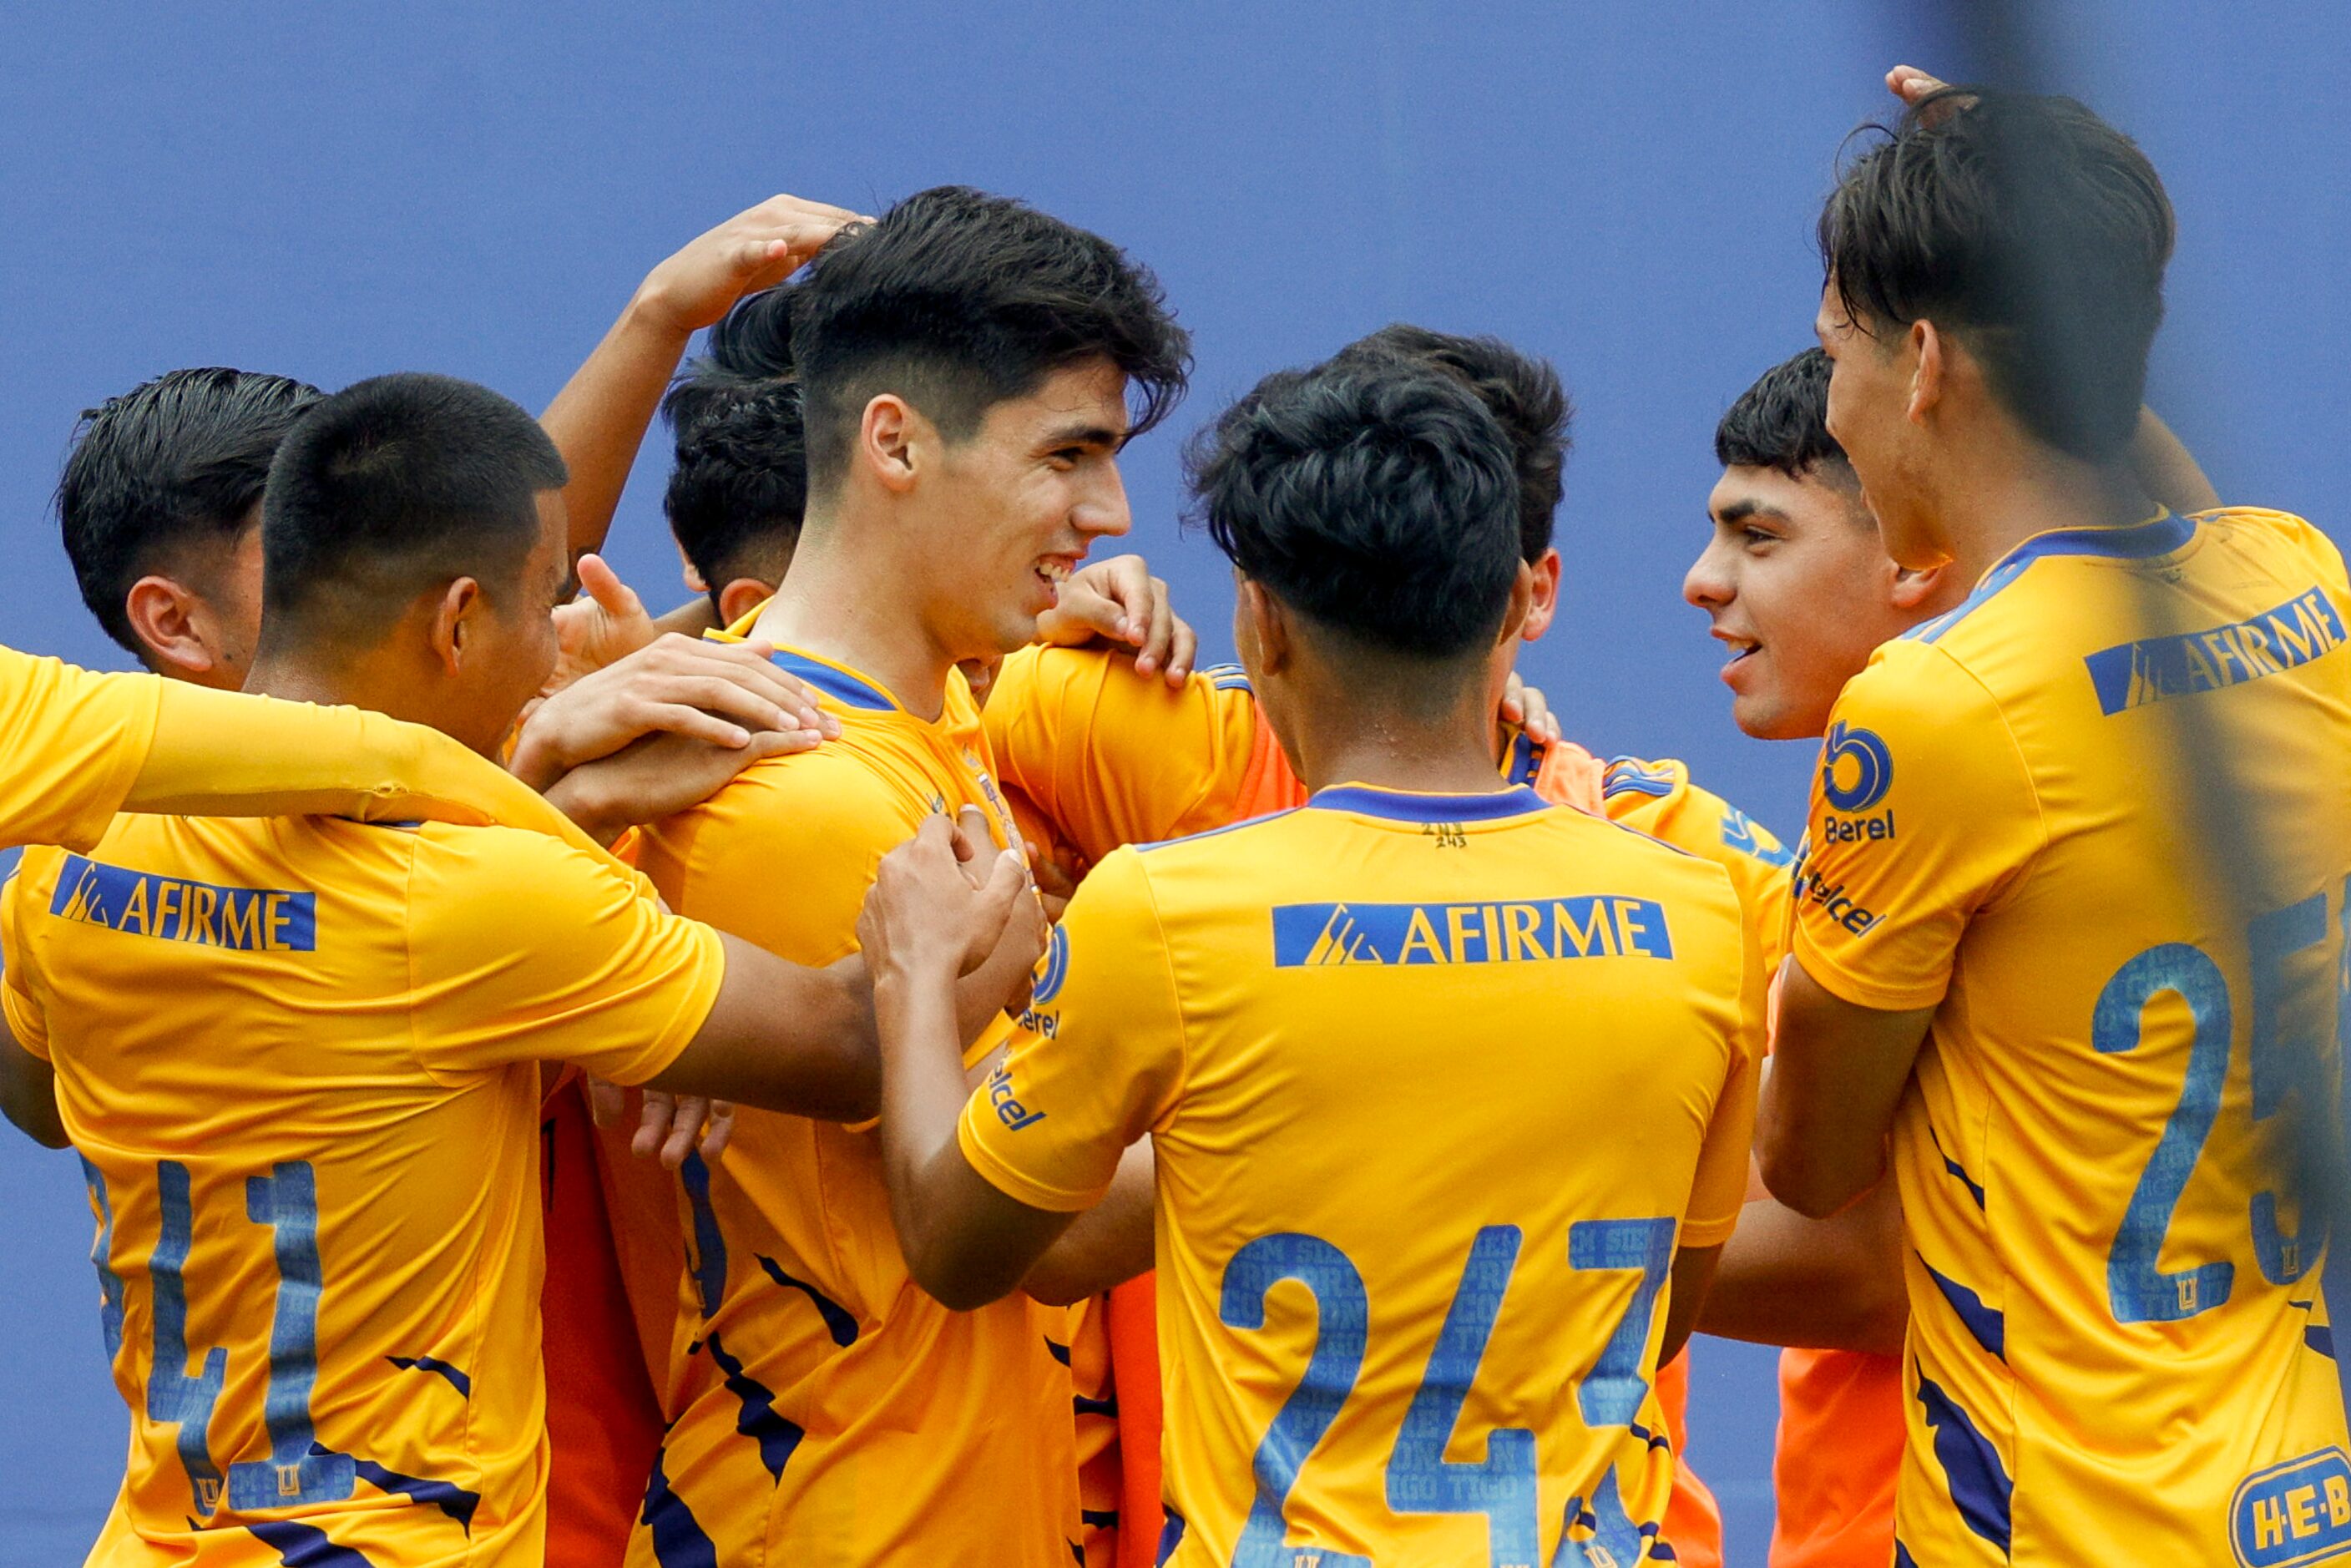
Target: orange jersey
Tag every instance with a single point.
(300, 1060)
(827, 1411)
(1105, 757)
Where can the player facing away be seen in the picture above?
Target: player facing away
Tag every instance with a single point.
(1445, 1085)
(314, 1162)
(967, 366)
(1090, 744)
(2068, 928)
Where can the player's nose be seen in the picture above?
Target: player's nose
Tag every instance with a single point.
(1101, 511)
(1709, 583)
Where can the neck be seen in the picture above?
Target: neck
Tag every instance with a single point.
(1341, 737)
(379, 682)
(847, 603)
(1998, 505)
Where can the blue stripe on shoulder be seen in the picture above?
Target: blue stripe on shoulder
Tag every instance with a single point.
(839, 685)
(2141, 541)
(1631, 776)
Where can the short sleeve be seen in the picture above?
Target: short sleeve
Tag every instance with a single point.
(1115, 757)
(74, 743)
(1660, 800)
(1923, 813)
(18, 1004)
(1099, 1059)
(525, 949)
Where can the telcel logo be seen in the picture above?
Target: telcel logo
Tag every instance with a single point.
(1856, 770)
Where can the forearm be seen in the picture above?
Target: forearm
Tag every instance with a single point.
(1109, 1244)
(28, 1094)
(923, 1097)
(1812, 1284)
(784, 1037)
(599, 418)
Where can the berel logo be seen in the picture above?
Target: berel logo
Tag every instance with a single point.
(1856, 770)
(2299, 1511)
(1052, 968)
(1009, 1110)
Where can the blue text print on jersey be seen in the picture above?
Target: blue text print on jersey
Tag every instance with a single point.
(248, 919)
(1052, 970)
(1859, 758)
(1590, 926)
(2131, 675)
(2297, 1513)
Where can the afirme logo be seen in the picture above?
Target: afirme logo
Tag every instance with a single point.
(1856, 770)
(245, 919)
(2132, 674)
(1591, 926)
(2299, 1511)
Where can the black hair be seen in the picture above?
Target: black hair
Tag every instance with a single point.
(1522, 393)
(737, 496)
(2031, 228)
(958, 301)
(1783, 423)
(1377, 498)
(391, 486)
(176, 461)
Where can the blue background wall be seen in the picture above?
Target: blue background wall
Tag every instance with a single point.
(334, 191)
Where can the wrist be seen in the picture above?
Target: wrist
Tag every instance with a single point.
(577, 797)
(651, 313)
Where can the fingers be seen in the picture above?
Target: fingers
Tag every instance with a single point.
(653, 1120)
(600, 583)
(693, 1110)
(719, 1130)
(972, 837)
(1514, 702)
(606, 1101)
(1182, 648)
(1540, 722)
(1159, 640)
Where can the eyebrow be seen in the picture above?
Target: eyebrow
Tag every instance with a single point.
(1083, 435)
(1740, 511)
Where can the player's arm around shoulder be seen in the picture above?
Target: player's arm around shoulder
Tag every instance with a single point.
(1923, 816)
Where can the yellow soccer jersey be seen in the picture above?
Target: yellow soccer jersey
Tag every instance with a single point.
(1110, 758)
(2096, 818)
(1437, 1085)
(833, 1414)
(300, 1060)
(81, 746)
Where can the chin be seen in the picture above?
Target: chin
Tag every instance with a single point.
(1765, 718)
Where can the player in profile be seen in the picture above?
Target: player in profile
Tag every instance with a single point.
(1282, 1007)
(968, 365)
(319, 1234)
(2029, 945)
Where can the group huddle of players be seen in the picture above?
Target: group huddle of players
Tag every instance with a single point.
(1285, 1114)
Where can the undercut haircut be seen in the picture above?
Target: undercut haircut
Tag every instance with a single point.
(957, 301)
(1377, 498)
(1781, 423)
(739, 489)
(391, 487)
(176, 462)
(2033, 231)
(1524, 395)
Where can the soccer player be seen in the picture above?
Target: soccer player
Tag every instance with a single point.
(968, 367)
(319, 1238)
(1089, 741)
(1444, 1083)
(2054, 933)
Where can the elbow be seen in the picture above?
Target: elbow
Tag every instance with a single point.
(1804, 1182)
(952, 1282)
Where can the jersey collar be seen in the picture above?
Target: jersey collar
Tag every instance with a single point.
(2158, 536)
(839, 682)
(1412, 806)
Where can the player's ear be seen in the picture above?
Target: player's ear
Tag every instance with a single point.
(171, 620)
(741, 596)
(1544, 604)
(1515, 619)
(459, 603)
(1258, 623)
(1915, 590)
(889, 437)
(1929, 353)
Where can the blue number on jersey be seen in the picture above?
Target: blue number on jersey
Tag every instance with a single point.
(101, 1252)
(286, 1200)
(172, 1395)
(1342, 1323)
(2283, 1062)
(1611, 1392)
(2137, 1289)
(1420, 1480)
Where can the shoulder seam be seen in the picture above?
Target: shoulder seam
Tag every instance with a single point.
(2024, 769)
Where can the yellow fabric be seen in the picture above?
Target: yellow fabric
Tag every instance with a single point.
(2097, 818)
(73, 742)
(922, 1434)
(301, 1058)
(1314, 1015)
